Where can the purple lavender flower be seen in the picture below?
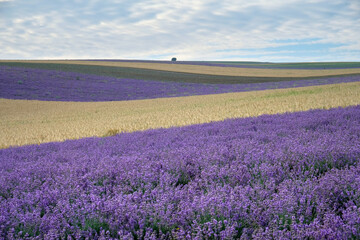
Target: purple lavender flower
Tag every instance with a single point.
(51, 85)
(289, 176)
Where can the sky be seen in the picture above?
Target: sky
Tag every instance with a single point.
(202, 30)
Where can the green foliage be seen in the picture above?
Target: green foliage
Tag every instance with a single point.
(96, 224)
(26, 230)
(183, 179)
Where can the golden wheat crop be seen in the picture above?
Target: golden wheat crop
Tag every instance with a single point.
(31, 122)
(210, 70)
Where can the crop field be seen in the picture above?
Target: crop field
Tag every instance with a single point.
(242, 64)
(57, 85)
(29, 122)
(210, 70)
(115, 149)
(276, 176)
(312, 65)
(150, 74)
(266, 65)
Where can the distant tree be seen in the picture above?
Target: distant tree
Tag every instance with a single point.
(173, 59)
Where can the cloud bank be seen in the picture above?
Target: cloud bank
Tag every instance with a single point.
(260, 30)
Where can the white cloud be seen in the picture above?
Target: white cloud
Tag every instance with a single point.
(190, 29)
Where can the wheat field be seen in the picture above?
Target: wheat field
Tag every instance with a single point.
(25, 122)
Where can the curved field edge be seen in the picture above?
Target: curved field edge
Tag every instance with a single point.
(244, 64)
(209, 70)
(297, 65)
(25, 122)
(155, 75)
(290, 176)
(54, 85)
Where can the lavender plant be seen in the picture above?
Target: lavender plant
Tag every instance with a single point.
(289, 176)
(52, 85)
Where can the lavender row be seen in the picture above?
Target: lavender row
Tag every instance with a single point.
(52, 85)
(290, 176)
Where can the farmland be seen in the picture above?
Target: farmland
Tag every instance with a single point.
(153, 74)
(209, 70)
(303, 65)
(30, 122)
(59, 85)
(276, 176)
(121, 149)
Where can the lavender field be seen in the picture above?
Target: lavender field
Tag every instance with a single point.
(180, 120)
(52, 85)
(289, 176)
